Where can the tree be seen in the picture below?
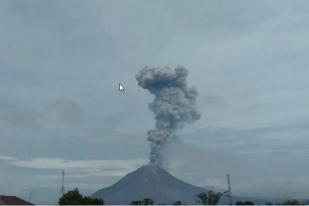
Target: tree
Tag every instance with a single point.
(291, 202)
(244, 203)
(92, 201)
(177, 203)
(146, 201)
(136, 202)
(209, 198)
(74, 197)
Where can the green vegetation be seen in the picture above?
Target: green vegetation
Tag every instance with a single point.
(288, 202)
(244, 203)
(209, 198)
(146, 201)
(292, 202)
(73, 197)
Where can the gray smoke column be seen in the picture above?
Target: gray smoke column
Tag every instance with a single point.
(173, 106)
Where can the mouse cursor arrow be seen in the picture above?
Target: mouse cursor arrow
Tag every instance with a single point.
(121, 88)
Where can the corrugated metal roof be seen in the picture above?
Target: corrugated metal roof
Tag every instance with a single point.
(13, 200)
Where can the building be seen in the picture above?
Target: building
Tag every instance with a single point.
(13, 200)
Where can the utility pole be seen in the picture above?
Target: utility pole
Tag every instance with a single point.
(62, 185)
(228, 193)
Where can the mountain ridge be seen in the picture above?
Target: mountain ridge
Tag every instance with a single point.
(153, 182)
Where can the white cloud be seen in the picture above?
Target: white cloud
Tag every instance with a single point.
(2, 157)
(86, 167)
(250, 70)
(80, 168)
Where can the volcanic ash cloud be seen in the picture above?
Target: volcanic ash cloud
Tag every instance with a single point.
(173, 106)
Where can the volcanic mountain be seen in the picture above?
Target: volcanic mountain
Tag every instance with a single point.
(149, 182)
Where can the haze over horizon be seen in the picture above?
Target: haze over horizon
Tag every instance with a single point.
(61, 62)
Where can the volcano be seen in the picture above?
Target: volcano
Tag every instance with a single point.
(150, 182)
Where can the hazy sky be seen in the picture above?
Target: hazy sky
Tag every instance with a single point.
(61, 62)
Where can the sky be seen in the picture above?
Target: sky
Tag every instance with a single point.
(61, 62)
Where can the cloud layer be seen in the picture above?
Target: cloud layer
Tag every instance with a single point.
(61, 62)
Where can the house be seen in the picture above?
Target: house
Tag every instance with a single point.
(13, 200)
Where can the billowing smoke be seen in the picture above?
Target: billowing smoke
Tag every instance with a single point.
(174, 105)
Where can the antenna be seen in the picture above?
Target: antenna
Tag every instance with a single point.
(228, 193)
(62, 185)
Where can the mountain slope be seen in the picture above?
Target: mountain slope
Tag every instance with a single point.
(149, 182)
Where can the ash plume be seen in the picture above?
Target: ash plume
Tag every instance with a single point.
(173, 106)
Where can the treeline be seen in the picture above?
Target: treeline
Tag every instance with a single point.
(74, 197)
(286, 202)
(209, 198)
